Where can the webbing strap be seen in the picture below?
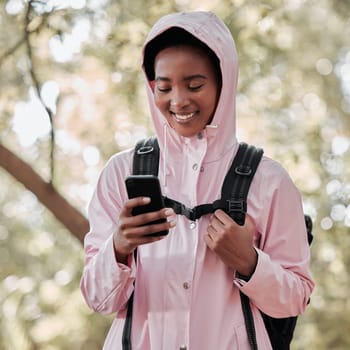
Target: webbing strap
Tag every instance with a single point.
(235, 188)
(146, 157)
(238, 179)
(145, 161)
(249, 321)
(228, 206)
(126, 337)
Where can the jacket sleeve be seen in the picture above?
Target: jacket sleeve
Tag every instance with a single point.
(105, 284)
(281, 284)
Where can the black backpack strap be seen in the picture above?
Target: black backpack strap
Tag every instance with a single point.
(238, 179)
(146, 157)
(126, 338)
(308, 224)
(145, 161)
(249, 321)
(190, 213)
(235, 192)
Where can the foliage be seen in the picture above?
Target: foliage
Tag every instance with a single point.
(83, 59)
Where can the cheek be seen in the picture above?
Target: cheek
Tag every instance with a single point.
(159, 102)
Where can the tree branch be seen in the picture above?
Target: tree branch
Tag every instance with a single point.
(11, 50)
(69, 216)
(37, 89)
(22, 40)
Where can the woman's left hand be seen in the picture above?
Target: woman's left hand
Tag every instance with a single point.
(232, 243)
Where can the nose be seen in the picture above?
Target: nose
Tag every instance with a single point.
(179, 99)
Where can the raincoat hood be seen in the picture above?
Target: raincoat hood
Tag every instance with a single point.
(221, 133)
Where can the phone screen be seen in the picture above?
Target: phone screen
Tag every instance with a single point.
(146, 186)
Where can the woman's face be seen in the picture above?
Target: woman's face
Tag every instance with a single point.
(186, 88)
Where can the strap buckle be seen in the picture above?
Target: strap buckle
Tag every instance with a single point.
(235, 206)
(190, 213)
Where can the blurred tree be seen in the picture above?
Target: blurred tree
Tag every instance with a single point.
(72, 94)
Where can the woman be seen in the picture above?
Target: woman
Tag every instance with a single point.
(187, 284)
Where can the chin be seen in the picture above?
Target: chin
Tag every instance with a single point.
(187, 133)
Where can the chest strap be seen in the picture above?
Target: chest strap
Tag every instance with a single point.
(234, 191)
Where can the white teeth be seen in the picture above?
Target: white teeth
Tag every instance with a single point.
(184, 116)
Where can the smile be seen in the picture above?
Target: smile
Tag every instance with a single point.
(181, 118)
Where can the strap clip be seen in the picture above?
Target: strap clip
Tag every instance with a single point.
(145, 150)
(244, 170)
(189, 213)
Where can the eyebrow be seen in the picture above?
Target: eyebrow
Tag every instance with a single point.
(188, 78)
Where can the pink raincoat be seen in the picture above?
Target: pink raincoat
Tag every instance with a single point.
(184, 294)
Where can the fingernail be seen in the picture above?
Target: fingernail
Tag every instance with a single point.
(169, 212)
(146, 199)
(172, 223)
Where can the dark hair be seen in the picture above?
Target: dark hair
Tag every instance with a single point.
(173, 37)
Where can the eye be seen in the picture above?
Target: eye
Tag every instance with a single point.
(195, 87)
(163, 89)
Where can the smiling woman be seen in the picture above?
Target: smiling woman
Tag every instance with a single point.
(187, 88)
(191, 67)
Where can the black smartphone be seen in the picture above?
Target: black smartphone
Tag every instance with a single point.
(146, 186)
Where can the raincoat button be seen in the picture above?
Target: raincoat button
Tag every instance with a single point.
(201, 169)
(195, 166)
(192, 225)
(183, 347)
(186, 285)
(199, 136)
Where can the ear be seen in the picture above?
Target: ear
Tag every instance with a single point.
(152, 84)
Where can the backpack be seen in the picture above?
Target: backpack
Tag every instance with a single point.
(233, 201)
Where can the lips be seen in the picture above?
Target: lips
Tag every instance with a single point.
(183, 118)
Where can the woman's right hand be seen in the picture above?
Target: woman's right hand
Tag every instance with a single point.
(134, 231)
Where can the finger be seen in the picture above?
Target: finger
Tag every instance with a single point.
(249, 223)
(217, 225)
(166, 214)
(213, 234)
(226, 220)
(145, 224)
(211, 230)
(151, 229)
(130, 204)
(209, 241)
(145, 235)
(222, 217)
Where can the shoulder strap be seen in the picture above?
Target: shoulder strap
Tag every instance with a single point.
(238, 180)
(235, 191)
(146, 157)
(145, 161)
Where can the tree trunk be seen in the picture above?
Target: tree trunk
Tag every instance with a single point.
(69, 216)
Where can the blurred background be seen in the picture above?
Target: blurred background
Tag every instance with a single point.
(72, 94)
